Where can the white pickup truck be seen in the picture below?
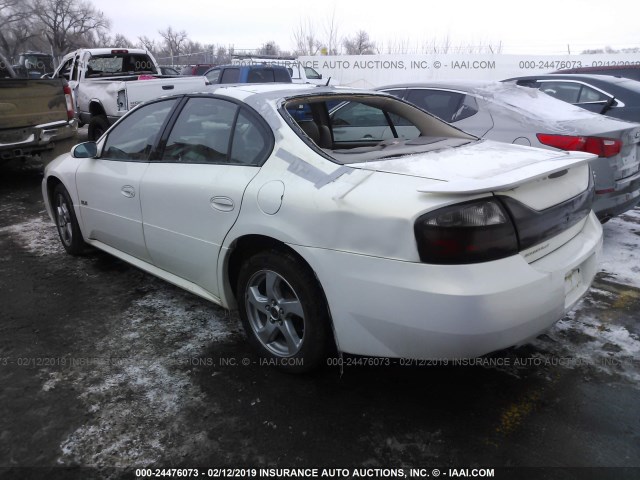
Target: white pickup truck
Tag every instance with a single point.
(108, 82)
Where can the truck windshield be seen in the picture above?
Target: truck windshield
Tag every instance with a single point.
(119, 64)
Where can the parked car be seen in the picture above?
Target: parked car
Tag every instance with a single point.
(197, 69)
(603, 94)
(165, 70)
(37, 115)
(299, 72)
(512, 114)
(248, 74)
(625, 71)
(107, 82)
(438, 246)
(33, 65)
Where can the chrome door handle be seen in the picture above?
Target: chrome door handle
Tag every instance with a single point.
(224, 204)
(128, 191)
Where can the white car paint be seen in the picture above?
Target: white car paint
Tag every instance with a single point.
(353, 226)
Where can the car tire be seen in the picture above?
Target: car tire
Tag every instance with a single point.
(283, 311)
(66, 221)
(97, 126)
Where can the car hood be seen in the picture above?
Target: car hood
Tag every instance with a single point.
(483, 166)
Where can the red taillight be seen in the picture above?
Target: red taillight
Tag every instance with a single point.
(469, 232)
(116, 52)
(71, 113)
(603, 147)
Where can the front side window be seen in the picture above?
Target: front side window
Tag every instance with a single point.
(65, 69)
(312, 74)
(134, 136)
(213, 75)
(202, 132)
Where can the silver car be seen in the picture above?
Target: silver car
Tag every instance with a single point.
(524, 116)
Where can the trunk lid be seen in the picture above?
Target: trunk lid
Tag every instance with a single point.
(536, 177)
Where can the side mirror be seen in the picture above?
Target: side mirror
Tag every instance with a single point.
(319, 76)
(85, 150)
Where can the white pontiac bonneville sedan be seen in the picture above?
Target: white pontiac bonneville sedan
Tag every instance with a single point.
(424, 243)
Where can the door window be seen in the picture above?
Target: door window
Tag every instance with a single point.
(441, 103)
(566, 91)
(133, 137)
(230, 75)
(590, 95)
(213, 76)
(202, 132)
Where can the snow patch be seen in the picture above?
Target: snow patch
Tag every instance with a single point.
(39, 236)
(621, 251)
(141, 385)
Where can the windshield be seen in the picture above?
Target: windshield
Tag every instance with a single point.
(119, 64)
(361, 128)
(42, 63)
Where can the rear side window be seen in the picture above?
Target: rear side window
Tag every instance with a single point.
(260, 75)
(588, 95)
(251, 144)
(230, 75)
(565, 91)
(572, 92)
(282, 75)
(442, 104)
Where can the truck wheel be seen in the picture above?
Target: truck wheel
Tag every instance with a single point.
(66, 221)
(97, 126)
(283, 311)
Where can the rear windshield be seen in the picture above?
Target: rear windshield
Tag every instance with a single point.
(119, 64)
(362, 128)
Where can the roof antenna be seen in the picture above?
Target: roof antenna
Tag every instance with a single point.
(327, 84)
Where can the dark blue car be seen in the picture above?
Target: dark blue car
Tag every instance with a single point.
(262, 73)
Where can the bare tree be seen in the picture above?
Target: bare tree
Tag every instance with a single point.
(147, 43)
(174, 40)
(13, 18)
(269, 48)
(222, 54)
(331, 31)
(68, 23)
(305, 39)
(359, 44)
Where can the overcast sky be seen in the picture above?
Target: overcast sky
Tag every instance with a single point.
(540, 27)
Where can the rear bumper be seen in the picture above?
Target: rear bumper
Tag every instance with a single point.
(625, 196)
(390, 308)
(37, 139)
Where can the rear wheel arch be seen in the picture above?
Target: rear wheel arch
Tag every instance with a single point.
(247, 246)
(96, 109)
(254, 255)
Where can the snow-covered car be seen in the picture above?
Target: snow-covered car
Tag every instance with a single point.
(435, 246)
(525, 116)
